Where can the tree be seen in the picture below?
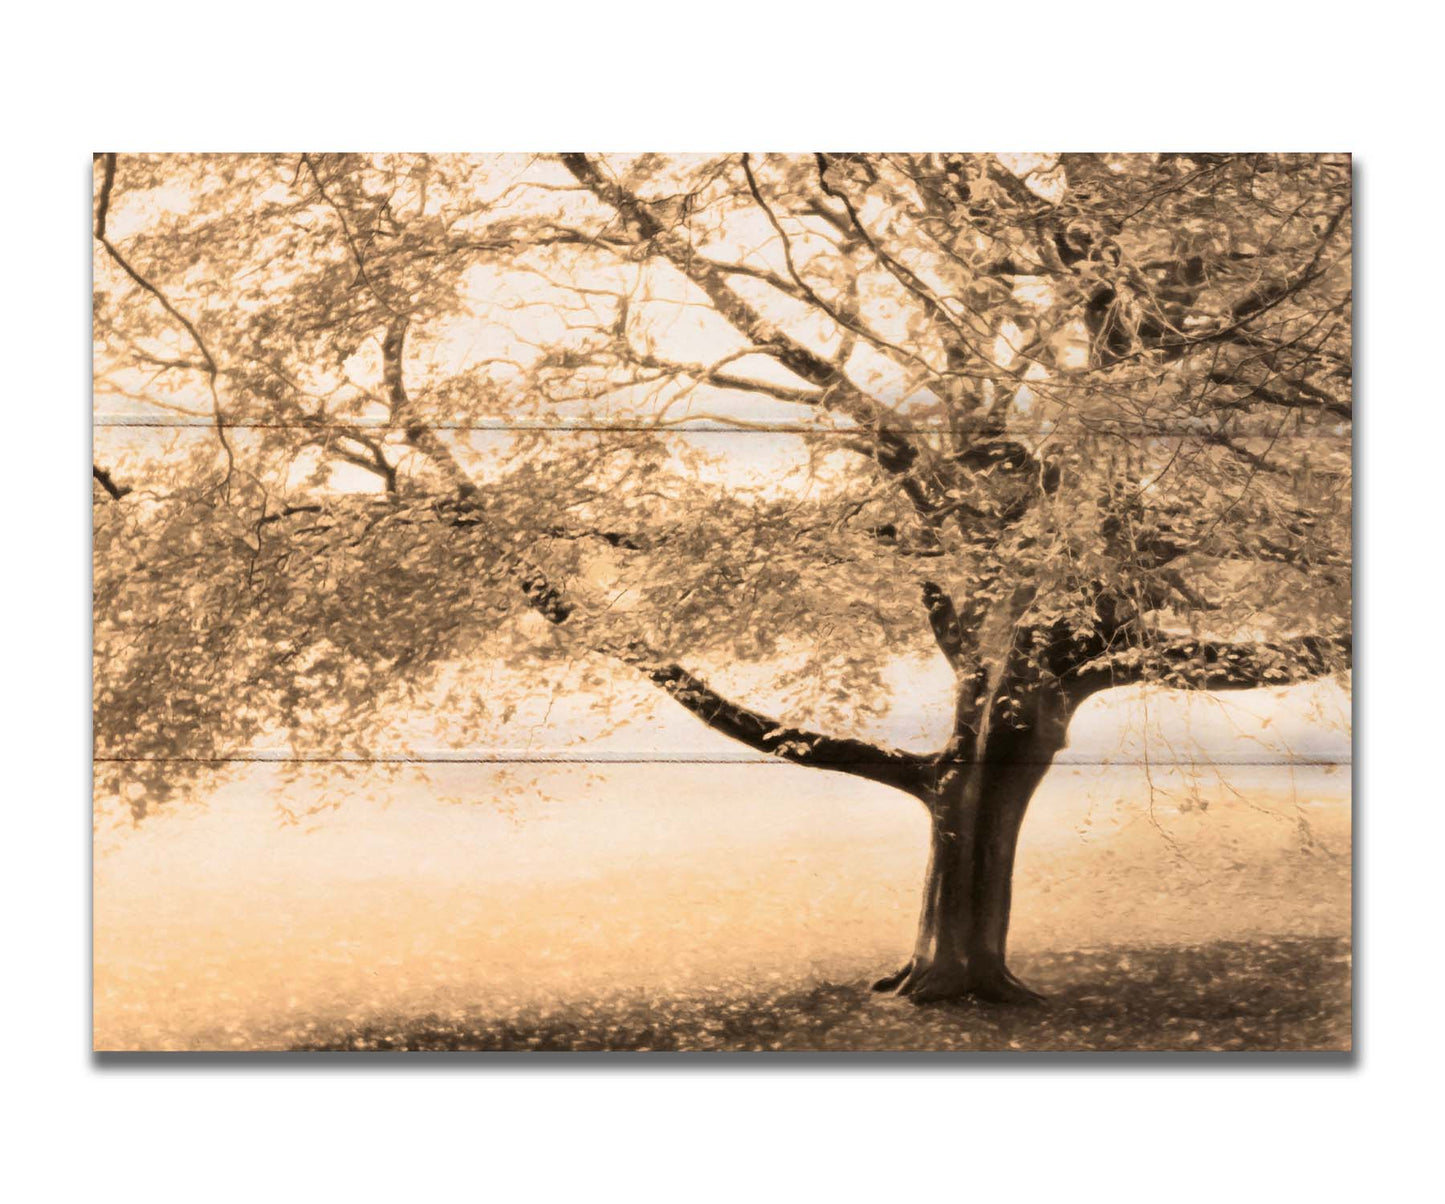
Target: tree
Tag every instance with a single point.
(1081, 421)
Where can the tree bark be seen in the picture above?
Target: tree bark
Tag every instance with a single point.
(977, 808)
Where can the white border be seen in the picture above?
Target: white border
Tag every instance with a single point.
(777, 76)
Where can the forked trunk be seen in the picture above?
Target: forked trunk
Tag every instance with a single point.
(977, 810)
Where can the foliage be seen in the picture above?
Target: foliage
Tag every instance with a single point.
(1083, 415)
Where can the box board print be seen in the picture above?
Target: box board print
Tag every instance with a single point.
(722, 602)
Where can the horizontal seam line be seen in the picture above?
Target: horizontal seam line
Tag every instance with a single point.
(661, 760)
(703, 427)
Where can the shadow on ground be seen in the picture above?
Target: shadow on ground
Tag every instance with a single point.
(1288, 994)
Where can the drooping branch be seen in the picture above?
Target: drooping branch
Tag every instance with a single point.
(1214, 665)
(892, 767)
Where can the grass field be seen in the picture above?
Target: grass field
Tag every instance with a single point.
(721, 911)
(1290, 994)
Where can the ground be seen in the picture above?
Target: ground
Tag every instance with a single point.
(1286, 994)
(684, 907)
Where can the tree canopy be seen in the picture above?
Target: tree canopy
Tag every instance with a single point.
(1067, 421)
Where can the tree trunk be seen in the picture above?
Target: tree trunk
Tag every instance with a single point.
(977, 809)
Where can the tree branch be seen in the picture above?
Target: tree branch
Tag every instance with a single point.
(107, 482)
(838, 391)
(209, 364)
(889, 766)
(807, 292)
(1265, 297)
(356, 255)
(374, 461)
(1214, 665)
(107, 185)
(1308, 397)
(927, 491)
(418, 434)
(943, 619)
(904, 275)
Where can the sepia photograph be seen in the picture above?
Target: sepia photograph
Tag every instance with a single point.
(839, 602)
(572, 636)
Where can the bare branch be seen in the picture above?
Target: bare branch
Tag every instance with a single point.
(839, 392)
(107, 482)
(374, 460)
(903, 274)
(418, 434)
(210, 367)
(1307, 397)
(107, 184)
(835, 315)
(356, 255)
